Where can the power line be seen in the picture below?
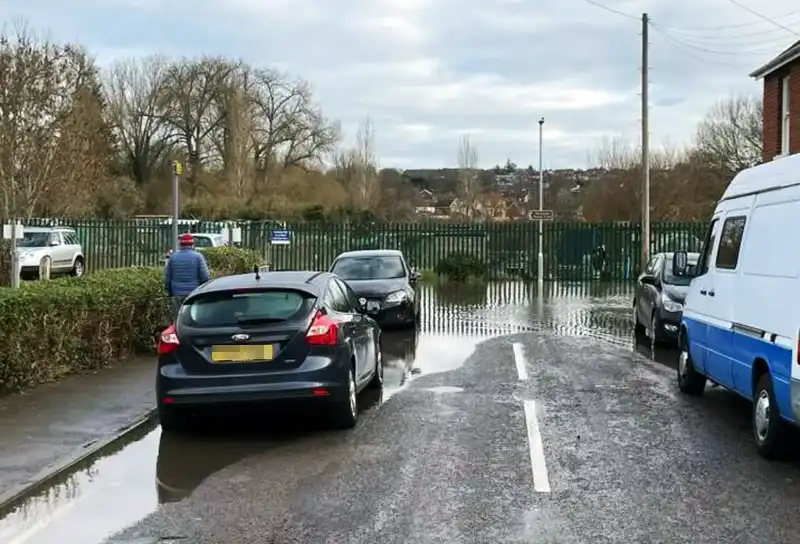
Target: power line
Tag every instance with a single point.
(761, 16)
(692, 50)
(613, 10)
(727, 27)
(748, 37)
(704, 49)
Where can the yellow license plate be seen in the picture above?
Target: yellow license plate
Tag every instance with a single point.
(241, 354)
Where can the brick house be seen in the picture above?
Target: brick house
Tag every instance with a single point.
(781, 101)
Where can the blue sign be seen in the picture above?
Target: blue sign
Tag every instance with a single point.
(280, 237)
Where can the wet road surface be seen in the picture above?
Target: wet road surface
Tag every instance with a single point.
(507, 418)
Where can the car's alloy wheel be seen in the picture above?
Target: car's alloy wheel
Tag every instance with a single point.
(79, 268)
(351, 394)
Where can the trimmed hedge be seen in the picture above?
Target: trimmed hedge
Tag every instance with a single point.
(52, 328)
(461, 266)
(232, 260)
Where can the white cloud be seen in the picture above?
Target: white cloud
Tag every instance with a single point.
(426, 71)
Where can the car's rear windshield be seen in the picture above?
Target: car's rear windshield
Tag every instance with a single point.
(374, 267)
(232, 308)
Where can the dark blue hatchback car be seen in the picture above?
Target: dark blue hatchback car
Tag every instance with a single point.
(264, 337)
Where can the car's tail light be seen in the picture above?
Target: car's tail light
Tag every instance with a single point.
(323, 331)
(168, 341)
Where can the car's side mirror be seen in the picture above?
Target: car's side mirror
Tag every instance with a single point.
(680, 264)
(362, 305)
(415, 276)
(54, 243)
(648, 280)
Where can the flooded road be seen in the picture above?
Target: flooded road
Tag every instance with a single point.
(125, 486)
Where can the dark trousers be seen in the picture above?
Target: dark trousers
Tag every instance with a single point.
(175, 303)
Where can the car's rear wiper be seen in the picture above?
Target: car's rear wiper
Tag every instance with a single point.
(256, 320)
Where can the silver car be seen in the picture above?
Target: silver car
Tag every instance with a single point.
(55, 247)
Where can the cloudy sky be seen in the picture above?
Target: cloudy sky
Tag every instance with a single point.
(428, 71)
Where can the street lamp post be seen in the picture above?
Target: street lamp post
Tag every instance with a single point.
(540, 256)
(177, 171)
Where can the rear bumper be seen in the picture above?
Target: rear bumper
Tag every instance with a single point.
(303, 383)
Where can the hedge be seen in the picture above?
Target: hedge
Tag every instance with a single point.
(52, 328)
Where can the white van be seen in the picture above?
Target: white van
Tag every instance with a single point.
(741, 320)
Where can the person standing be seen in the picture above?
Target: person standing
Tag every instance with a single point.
(184, 271)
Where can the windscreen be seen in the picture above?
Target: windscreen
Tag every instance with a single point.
(232, 308)
(376, 267)
(34, 239)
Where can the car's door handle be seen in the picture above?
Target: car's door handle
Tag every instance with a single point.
(703, 292)
(711, 293)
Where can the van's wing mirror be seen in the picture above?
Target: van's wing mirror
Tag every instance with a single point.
(680, 264)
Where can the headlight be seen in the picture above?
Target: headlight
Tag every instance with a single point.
(396, 297)
(670, 305)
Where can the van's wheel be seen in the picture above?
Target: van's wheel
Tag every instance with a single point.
(767, 423)
(77, 268)
(690, 381)
(344, 413)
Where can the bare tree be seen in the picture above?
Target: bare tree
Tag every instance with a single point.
(468, 186)
(45, 97)
(190, 107)
(134, 91)
(730, 134)
(290, 129)
(234, 140)
(358, 171)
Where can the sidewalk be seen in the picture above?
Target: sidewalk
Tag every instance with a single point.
(56, 423)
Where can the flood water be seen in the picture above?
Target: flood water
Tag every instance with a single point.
(119, 487)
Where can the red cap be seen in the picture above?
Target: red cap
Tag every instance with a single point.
(186, 239)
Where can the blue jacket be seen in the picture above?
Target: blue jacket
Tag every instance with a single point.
(184, 272)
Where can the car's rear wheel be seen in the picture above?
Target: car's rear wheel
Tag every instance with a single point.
(77, 268)
(638, 328)
(377, 379)
(171, 420)
(344, 414)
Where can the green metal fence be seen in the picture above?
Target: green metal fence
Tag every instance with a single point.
(510, 248)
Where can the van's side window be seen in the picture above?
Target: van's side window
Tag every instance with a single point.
(708, 247)
(730, 242)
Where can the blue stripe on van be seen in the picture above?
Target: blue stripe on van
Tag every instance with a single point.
(731, 365)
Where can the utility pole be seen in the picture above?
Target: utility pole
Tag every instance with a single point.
(540, 256)
(14, 255)
(645, 144)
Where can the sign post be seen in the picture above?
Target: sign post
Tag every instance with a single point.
(177, 171)
(278, 237)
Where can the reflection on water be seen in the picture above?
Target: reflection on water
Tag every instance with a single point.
(597, 310)
(454, 320)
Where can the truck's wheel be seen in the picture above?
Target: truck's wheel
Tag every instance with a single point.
(767, 423)
(690, 381)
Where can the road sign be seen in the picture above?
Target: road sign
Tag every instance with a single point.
(280, 237)
(177, 168)
(541, 215)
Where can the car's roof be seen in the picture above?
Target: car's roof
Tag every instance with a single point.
(209, 234)
(309, 281)
(670, 253)
(48, 229)
(372, 253)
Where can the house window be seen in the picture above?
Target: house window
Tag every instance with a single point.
(785, 116)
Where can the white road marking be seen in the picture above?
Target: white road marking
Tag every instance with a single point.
(519, 360)
(541, 482)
